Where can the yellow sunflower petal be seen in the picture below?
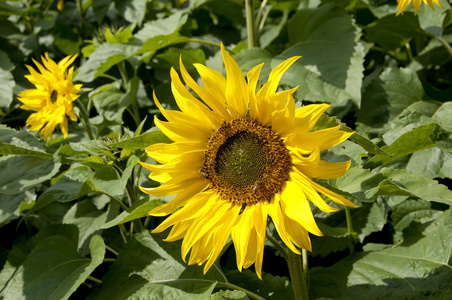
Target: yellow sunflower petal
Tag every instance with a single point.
(295, 205)
(213, 102)
(236, 88)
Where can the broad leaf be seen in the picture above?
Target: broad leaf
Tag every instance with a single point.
(420, 138)
(142, 141)
(150, 268)
(54, 269)
(331, 69)
(20, 143)
(6, 80)
(138, 210)
(417, 268)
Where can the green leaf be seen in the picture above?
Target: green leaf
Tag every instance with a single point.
(22, 248)
(142, 141)
(150, 268)
(139, 209)
(271, 287)
(415, 185)
(409, 211)
(431, 20)
(100, 9)
(6, 80)
(162, 27)
(20, 143)
(331, 69)
(415, 269)
(10, 206)
(170, 58)
(420, 138)
(54, 269)
(89, 220)
(432, 163)
(132, 10)
(442, 116)
(392, 32)
(69, 187)
(385, 98)
(229, 295)
(102, 59)
(19, 173)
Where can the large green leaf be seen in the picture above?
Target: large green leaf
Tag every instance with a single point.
(19, 173)
(420, 138)
(20, 143)
(409, 211)
(271, 287)
(142, 141)
(138, 210)
(432, 163)
(392, 32)
(415, 269)
(102, 59)
(150, 268)
(331, 69)
(54, 269)
(6, 80)
(402, 182)
(386, 97)
(89, 219)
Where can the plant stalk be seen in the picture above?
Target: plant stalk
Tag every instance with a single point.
(85, 119)
(250, 27)
(297, 277)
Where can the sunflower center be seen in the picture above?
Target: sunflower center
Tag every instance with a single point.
(53, 96)
(246, 162)
(241, 160)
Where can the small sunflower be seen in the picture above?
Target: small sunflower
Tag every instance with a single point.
(53, 96)
(238, 157)
(417, 3)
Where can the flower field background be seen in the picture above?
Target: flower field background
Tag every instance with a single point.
(73, 220)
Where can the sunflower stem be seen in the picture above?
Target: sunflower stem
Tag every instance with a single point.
(351, 233)
(250, 27)
(297, 276)
(98, 281)
(229, 285)
(278, 246)
(445, 44)
(85, 119)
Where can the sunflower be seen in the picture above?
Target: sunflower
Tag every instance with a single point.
(238, 157)
(417, 3)
(53, 96)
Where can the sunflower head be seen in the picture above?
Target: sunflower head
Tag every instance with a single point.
(402, 5)
(51, 99)
(240, 154)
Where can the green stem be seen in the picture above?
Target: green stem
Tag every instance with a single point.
(98, 281)
(85, 119)
(278, 246)
(231, 286)
(111, 250)
(123, 206)
(146, 222)
(80, 9)
(348, 216)
(250, 27)
(409, 52)
(351, 233)
(137, 181)
(297, 277)
(123, 231)
(305, 271)
(109, 260)
(445, 44)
